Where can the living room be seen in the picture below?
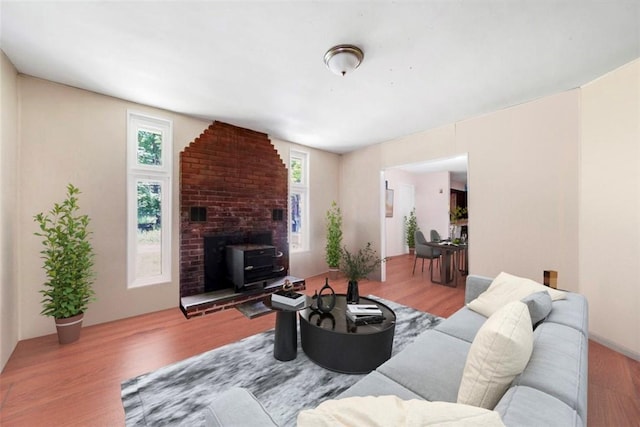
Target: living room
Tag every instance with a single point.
(547, 178)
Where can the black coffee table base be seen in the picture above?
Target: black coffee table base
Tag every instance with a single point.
(333, 342)
(347, 353)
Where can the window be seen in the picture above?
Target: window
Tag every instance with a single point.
(299, 201)
(149, 148)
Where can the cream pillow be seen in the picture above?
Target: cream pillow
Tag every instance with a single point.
(500, 351)
(507, 288)
(384, 411)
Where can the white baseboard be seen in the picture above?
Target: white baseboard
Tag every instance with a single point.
(615, 347)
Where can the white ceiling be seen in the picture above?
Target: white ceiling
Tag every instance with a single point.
(260, 64)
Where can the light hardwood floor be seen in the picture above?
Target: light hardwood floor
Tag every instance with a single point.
(79, 384)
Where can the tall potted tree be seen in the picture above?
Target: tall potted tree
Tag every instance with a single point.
(410, 228)
(68, 263)
(333, 250)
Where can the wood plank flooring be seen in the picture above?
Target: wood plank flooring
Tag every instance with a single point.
(79, 384)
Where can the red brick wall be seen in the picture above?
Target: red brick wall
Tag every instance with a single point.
(238, 176)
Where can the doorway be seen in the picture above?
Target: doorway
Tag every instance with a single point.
(426, 186)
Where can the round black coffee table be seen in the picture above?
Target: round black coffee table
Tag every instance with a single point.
(334, 342)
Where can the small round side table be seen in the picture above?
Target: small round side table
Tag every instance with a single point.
(285, 344)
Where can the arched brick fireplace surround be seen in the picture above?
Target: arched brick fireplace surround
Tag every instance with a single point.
(232, 181)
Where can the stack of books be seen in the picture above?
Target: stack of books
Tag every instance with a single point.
(288, 298)
(364, 314)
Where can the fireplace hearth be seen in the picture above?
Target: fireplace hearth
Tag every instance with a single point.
(212, 302)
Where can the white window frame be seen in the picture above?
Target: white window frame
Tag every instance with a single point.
(301, 188)
(158, 173)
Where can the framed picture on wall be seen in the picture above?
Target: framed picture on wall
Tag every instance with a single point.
(388, 203)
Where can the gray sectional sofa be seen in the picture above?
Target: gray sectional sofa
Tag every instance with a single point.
(552, 390)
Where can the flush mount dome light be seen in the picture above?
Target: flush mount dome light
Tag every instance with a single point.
(343, 59)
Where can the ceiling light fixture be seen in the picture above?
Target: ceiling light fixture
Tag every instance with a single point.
(343, 59)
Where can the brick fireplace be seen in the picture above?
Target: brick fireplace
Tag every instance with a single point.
(232, 182)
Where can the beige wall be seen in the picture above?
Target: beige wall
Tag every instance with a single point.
(433, 144)
(610, 207)
(9, 153)
(523, 184)
(71, 135)
(324, 175)
(523, 189)
(549, 182)
(403, 185)
(74, 136)
(432, 202)
(362, 199)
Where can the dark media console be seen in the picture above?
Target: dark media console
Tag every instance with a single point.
(241, 261)
(252, 264)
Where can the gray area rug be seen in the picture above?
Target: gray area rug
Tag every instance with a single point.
(176, 394)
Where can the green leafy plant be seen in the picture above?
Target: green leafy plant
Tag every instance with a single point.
(359, 264)
(68, 258)
(334, 236)
(457, 213)
(410, 227)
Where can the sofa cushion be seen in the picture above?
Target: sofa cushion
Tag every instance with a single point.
(527, 407)
(539, 304)
(499, 352)
(559, 365)
(573, 311)
(506, 288)
(377, 384)
(236, 406)
(431, 366)
(463, 324)
(474, 286)
(386, 411)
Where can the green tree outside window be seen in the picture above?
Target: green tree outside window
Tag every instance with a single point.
(149, 148)
(149, 208)
(296, 170)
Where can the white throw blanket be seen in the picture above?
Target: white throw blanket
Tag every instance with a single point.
(384, 411)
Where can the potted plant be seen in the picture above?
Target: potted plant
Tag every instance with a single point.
(455, 215)
(334, 240)
(357, 266)
(68, 263)
(410, 227)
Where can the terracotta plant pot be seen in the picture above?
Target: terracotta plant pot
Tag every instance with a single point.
(69, 328)
(333, 273)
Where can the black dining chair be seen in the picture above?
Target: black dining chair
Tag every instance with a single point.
(424, 251)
